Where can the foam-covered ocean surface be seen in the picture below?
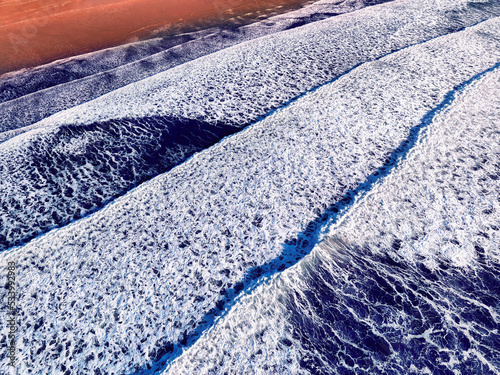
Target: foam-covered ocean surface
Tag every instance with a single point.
(401, 283)
(320, 198)
(63, 84)
(83, 157)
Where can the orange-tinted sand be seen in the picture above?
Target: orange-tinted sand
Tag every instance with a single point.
(33, 32)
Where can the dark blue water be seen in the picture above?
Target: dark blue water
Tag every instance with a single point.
(120, 155)
(377, 314)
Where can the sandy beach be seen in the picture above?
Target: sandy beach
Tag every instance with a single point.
(38, 32)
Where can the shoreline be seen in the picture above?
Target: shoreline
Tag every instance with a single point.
(51, 37)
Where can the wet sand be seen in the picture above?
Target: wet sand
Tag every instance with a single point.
(37, 32)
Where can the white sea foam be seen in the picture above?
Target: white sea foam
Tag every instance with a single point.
(230, 88)
(139, 278)
(238, 83)
(92, 75)
(442, 204)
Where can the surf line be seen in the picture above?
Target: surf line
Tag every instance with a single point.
(296, 249)
(416, 135)
(316, 230)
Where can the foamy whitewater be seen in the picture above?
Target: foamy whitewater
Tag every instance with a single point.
(54, 87)
(318, 200)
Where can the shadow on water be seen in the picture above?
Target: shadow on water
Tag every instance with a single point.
(105, 159)
(297, 248)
